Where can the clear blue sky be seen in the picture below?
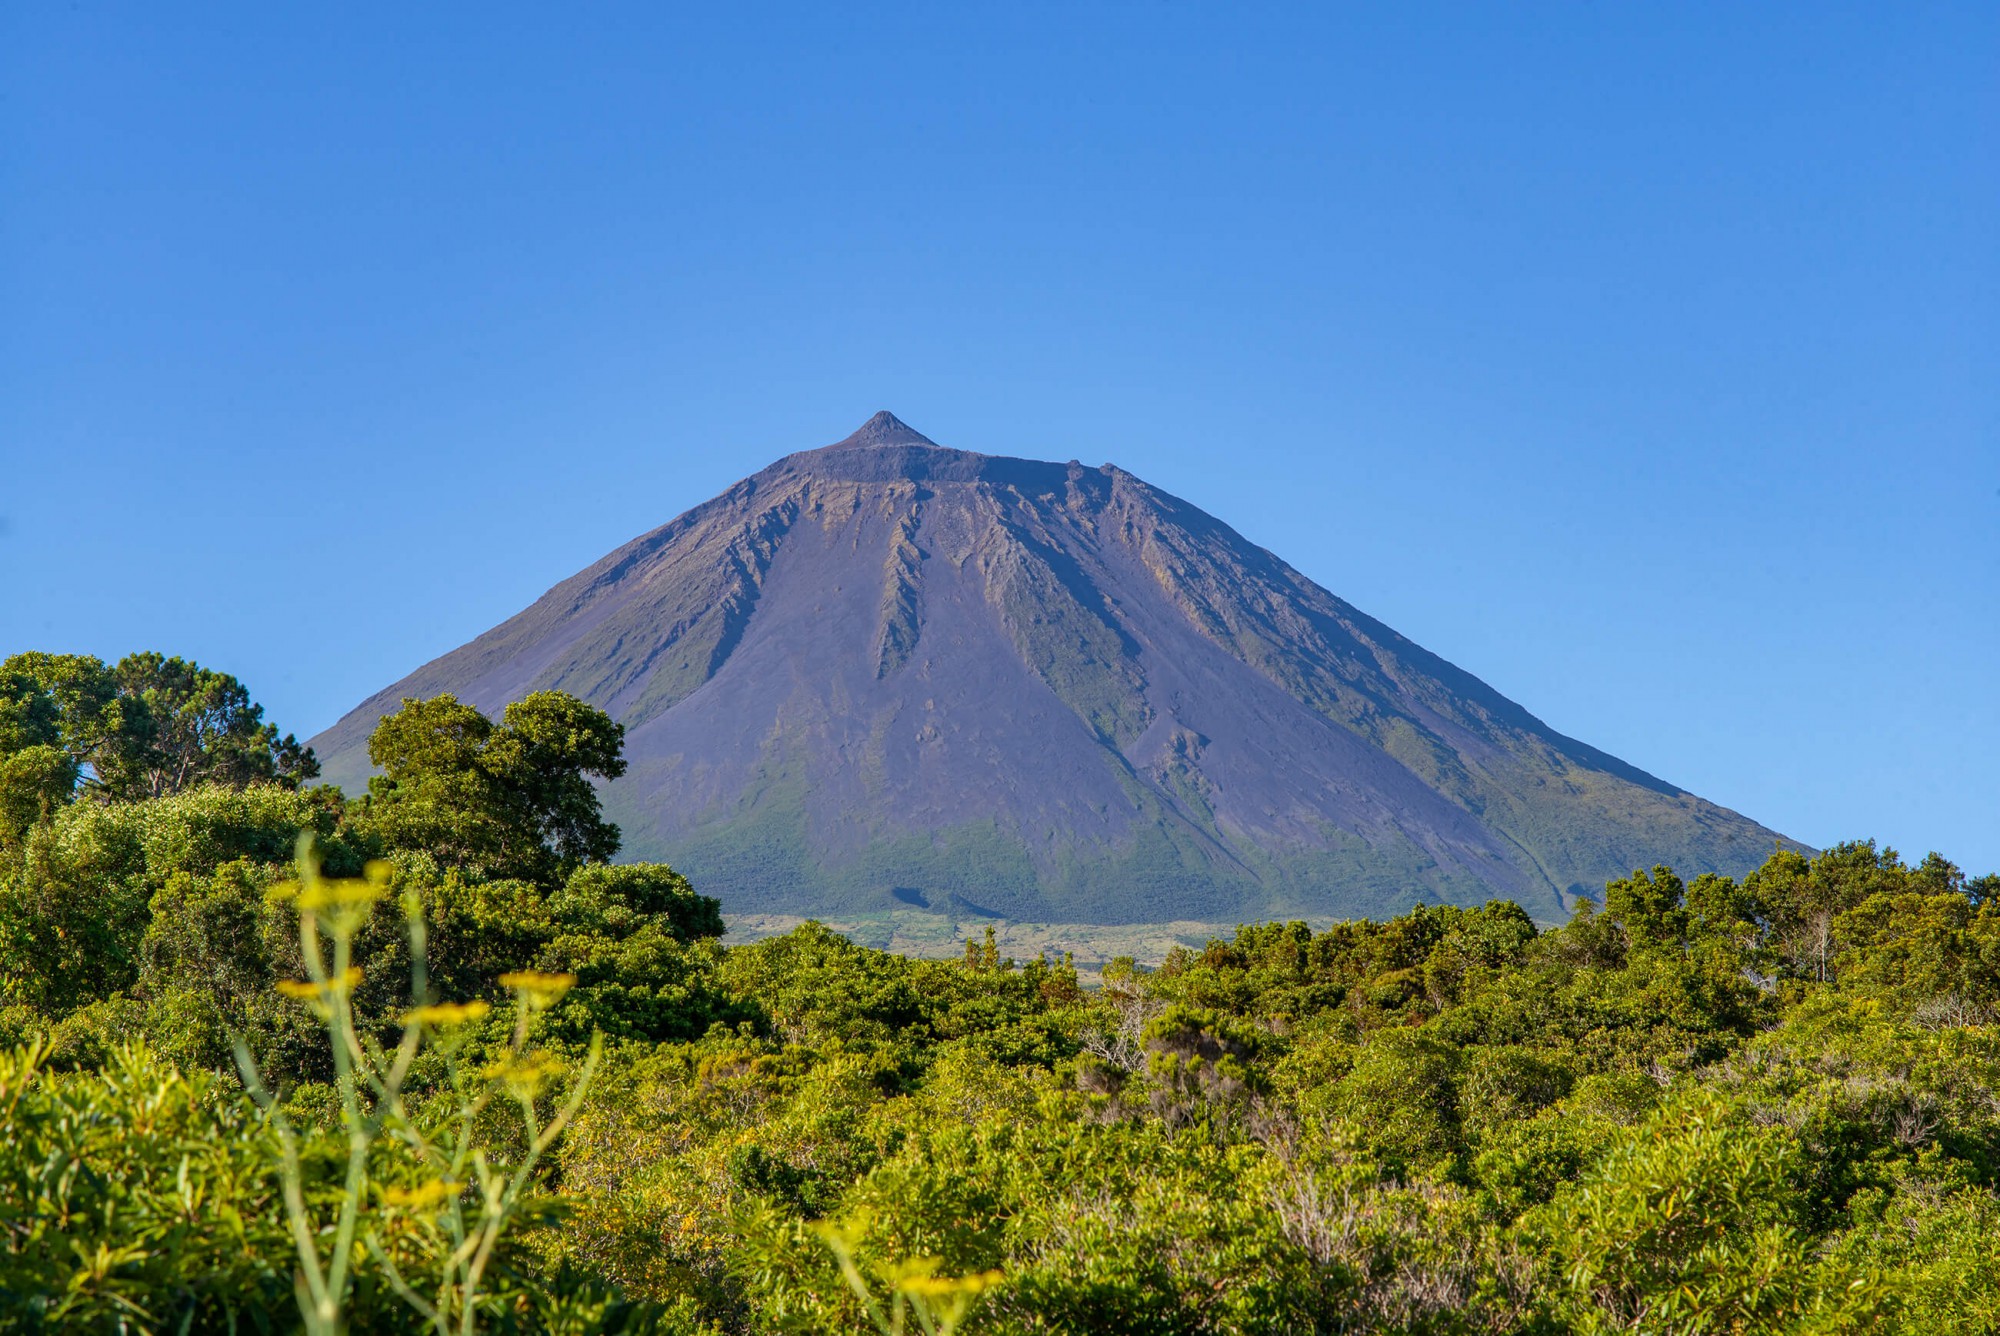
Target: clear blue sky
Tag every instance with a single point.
(1643, 360)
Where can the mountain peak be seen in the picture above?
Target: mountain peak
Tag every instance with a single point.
(888, 672)
(885, 428)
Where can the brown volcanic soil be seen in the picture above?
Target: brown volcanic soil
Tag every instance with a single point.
(889, 673)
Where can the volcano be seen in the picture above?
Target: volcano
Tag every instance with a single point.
(887, 672)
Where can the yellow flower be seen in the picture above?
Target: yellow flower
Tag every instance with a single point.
(842, 1236)
(306, 990)
(424, 1197)
(939, 1287)
(928, 1287)
(537, 989)
(343, 893)
(440, 1014)
(524, 1072)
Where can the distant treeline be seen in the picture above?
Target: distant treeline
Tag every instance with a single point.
(276, 1059)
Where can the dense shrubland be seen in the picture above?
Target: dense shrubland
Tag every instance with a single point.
(1766, 1105)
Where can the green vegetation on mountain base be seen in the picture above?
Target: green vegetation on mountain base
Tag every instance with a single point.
(759, 858)
(1767, 1105)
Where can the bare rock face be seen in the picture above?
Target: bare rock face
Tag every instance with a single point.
(891, 672)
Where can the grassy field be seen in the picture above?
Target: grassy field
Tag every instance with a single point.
(918, 932)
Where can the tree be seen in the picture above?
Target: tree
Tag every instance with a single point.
(203, 729)
(1651, 908)
(150, 727)
(34, 781)
(69, 701)
(1687, 1224)
(78, 901)
(508, 800)
(1798, 903)
(58, 714)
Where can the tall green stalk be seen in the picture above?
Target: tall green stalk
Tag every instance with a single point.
(369, 1082)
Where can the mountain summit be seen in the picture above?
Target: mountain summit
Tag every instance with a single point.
(885, 428)
(889, 671)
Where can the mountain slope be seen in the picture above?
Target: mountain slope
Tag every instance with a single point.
(890, 671)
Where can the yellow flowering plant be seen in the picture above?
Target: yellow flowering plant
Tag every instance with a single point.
(466, 1196)
(917, 1294)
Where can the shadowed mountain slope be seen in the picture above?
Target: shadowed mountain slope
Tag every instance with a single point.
(890, 672)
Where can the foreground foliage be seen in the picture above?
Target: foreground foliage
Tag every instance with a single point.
(1770, 1105)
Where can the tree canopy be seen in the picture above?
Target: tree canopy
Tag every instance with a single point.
(148, 727)
(1766, 1105)
(512, 799)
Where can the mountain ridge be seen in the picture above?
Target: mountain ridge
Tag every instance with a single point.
(888, 668)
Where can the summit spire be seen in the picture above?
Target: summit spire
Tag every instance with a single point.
(885, 428)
